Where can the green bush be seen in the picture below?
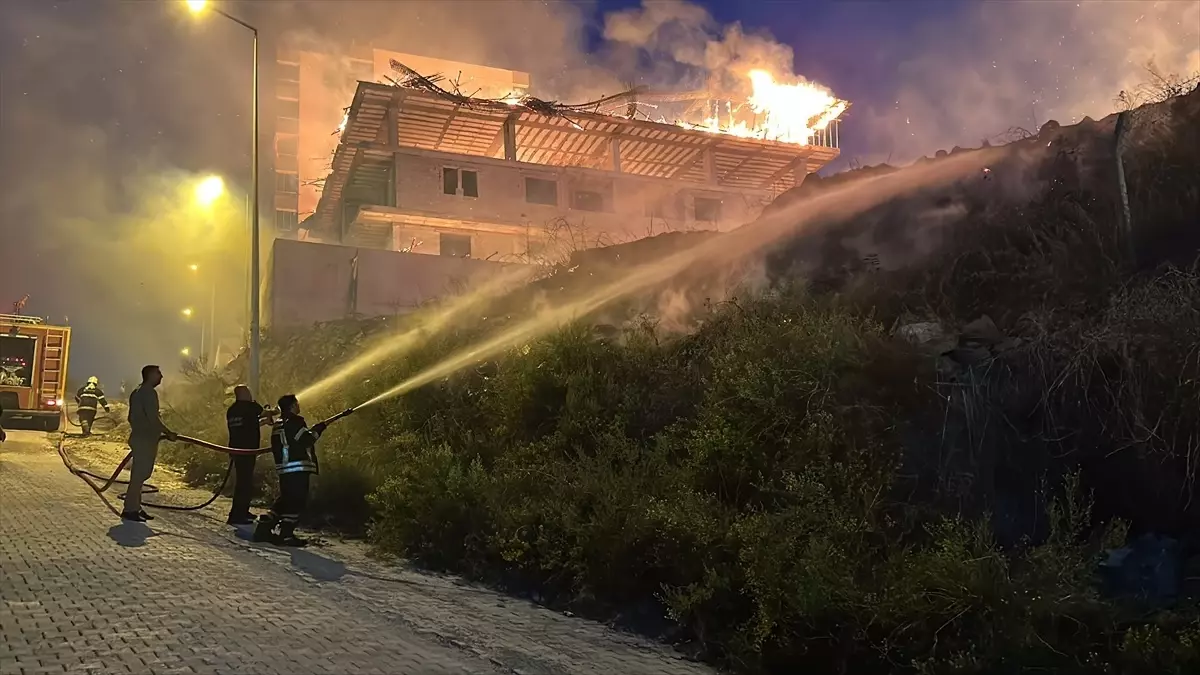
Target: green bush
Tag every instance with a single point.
(742, 481)
(745, 478)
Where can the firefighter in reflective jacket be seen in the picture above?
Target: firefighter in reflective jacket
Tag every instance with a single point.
(294, 446)
(88, 397)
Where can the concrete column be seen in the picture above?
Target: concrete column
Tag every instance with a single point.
(800, 172)
(614, 150)
(393, 124)
(393, 175)
(510, 139)
(710, 166)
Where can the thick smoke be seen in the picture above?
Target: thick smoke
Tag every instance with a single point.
(677, 36)
(111, 113)
(108, 111)
(997, 65)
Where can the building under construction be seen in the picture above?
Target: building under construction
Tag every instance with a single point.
(312, 90)
(452, 159)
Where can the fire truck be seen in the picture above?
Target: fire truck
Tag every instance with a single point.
(33, 372)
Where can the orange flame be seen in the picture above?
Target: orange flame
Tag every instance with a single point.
(514, 97)
(789, 113)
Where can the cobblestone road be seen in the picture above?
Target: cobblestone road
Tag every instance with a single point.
(81, 592)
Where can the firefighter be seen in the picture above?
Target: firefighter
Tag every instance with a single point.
(244, 419)
(294, 446)
(88, 397)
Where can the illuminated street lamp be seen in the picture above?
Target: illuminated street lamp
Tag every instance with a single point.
(185, 351)
(207, 331)
(196, 7)
(209, 190)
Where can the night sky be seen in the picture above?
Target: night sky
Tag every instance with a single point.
(105, 107)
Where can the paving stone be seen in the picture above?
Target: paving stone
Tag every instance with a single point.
(82, 592)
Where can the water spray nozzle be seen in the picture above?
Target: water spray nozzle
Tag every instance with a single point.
(339, 416)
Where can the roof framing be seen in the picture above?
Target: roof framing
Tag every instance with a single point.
(426, 121)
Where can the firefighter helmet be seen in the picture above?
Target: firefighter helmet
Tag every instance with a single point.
(93, 380)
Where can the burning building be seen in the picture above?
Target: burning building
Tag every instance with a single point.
(429, 164)
(311, 91)
(459, 161)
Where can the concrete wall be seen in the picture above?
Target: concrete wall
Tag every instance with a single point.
(632, 207)
(489, 246)
(310, 282)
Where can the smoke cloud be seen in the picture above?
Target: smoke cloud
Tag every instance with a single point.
(109, 111)
(110, 114)
(677, 36)
(998, 65)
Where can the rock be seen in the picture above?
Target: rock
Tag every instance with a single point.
(1006, 345)
(948, 368)
(1150, 569)
(982, 330)
(970, 355)
(606, 331)
(921, 333)
(978, 342)
(928, 336)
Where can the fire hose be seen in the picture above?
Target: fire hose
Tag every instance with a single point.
(100, 488)
(74, 421)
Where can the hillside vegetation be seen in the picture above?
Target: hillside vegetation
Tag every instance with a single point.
(909, 464)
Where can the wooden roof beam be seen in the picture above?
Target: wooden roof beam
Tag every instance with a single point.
(618, 133)
(733, 172)
(687, 166)
(446, 127)
(783, 171)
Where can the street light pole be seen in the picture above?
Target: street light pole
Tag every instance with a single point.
(254, 254)
(212, 325)
(255, 281)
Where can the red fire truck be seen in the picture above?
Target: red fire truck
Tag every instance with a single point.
(33, 372)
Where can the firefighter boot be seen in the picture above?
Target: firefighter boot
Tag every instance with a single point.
(264, 531)
(287, 536)
(87, 428)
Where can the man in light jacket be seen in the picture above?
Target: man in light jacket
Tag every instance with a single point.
(145, 429)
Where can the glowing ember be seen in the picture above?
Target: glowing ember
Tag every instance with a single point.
(345, 120)
(790, 113)
(514, 98)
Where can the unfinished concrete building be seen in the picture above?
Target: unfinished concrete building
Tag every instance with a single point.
(312, 90)
(426, 171)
